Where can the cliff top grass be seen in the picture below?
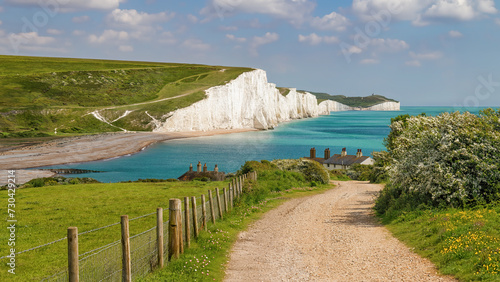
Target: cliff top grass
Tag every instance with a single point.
(31, 82)
(39, 94)
(362, 102)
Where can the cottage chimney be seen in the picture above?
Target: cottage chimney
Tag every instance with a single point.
(205, 167)
(190, 167)
(359, 154)
(198, 167)
(216, 169)
(313, 153)
(344, 152)
(327, 153)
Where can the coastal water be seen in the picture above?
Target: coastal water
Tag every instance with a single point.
(354, 130)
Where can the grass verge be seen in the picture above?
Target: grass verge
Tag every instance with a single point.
(464, 243)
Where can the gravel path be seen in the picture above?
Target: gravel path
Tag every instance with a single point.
(329, 237)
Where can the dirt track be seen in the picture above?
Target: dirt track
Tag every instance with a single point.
(329, 237)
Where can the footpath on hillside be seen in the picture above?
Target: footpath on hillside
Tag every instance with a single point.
(328, 237)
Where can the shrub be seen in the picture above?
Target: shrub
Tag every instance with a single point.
(312, 170)
(449, 160)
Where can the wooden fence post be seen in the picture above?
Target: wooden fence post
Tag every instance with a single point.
(159, 235)
(174, 219)
(195, 217)
(241, 183)
(224, 194)
(188, 223)
(126, 263)
(231, 196)
(219, 203)
(211, 202)
(203, 213)
(73, 269)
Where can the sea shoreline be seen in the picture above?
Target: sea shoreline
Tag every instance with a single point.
(87, 148)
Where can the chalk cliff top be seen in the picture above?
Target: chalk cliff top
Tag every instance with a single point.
(363, 102)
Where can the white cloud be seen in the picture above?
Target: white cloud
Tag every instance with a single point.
(314, 39)
(78, 32)
(53, 31)
(192, 18)
(81, 19)
(126, 48)
(294, 11)
(30, 42)
(423, 12)
(354, 50)
(456, 9)
(195, 45)
(418, 57)
(414, 63)
(70, 6)
(257, 41)
(369, 61)
(133, 18)
(389, 45)
(332, 21)
(31, 38)
(234, 38)
(455, 34)
(109, 35)
(427, 56)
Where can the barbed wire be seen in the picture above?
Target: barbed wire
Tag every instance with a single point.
(142, 216)
(99, 228)
(38, 247)
(99, 250)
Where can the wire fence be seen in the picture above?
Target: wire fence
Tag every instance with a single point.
(105, 263)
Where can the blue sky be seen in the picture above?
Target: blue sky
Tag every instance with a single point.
(421, 52)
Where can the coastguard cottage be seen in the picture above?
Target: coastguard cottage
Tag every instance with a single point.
(214, 175)
(340, 161)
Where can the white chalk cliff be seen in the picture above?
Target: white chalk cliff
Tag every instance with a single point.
(386, 106)
(249, 101)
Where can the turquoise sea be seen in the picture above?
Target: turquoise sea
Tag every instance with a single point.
(354, 130)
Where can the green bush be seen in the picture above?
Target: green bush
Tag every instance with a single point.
(450, 160)
(312, 170)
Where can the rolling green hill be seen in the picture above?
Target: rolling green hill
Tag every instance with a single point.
(362, 102)
(39, 95)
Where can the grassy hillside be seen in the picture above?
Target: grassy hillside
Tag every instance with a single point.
(38, 95)
(363, 102)
(45, 217)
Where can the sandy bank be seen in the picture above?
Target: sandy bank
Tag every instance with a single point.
(91, 148)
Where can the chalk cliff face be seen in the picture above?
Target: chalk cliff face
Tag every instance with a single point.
(328, 106)
(386, 106)
(248, 101)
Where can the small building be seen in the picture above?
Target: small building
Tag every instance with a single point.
(214, 175)
(340, 161)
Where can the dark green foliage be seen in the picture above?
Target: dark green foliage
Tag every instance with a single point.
(360, 172)
(312, 171)
(363, 102)
(48, 181)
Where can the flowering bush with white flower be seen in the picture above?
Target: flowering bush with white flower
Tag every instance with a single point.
(450, 159)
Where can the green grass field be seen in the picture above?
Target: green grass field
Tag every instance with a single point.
(44, 214)
(38, 95)
(464, 243)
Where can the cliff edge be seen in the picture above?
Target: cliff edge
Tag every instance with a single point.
(249, 101)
